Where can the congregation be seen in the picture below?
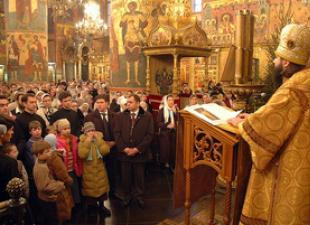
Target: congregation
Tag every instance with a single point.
(76, 144)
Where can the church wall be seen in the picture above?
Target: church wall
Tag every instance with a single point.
(218, 20)
(26, 33)
(2, 35)
(128, 35)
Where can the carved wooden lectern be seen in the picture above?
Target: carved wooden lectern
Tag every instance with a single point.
(205, 151)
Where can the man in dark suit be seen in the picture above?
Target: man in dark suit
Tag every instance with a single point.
(67, 113)
(103, 120)
(134, 129)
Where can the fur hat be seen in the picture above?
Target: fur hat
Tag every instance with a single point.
(89, 126)
(61, 124)
(40, 146)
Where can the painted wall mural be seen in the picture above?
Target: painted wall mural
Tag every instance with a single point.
(132, 21)
(218, 17)
(27, 15)
(26, 40)
(27, 56)
(2, 35)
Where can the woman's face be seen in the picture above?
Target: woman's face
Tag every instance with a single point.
(170, 101)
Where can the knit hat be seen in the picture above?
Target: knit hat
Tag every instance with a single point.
(89, 126)
(3, 129)
(51, 139)
(40, 146)
(61, 124)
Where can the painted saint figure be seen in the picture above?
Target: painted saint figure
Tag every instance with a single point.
(13, 57)
(133, 23)
(164, 81)
(35, 62)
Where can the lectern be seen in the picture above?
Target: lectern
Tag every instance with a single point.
(205, 151)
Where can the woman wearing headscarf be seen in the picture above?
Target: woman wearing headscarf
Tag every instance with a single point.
(166, 121)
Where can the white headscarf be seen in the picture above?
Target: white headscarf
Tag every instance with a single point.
(168, 110)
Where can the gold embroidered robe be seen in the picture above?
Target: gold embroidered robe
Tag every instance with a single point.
(278, 134)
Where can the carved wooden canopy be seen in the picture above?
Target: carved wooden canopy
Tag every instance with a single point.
(178, 32)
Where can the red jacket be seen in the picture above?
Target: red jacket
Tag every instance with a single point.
(62, 145)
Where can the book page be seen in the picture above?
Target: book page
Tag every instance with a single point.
(212, 113)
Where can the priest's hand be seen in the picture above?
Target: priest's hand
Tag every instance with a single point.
(238, 119)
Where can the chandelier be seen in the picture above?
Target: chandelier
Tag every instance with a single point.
(91, 24)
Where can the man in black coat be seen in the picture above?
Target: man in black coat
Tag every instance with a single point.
(21, 129)
(134, 129)
(67, 113)
(103, 120)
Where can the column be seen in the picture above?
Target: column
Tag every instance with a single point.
(175, 84)
(148, 75)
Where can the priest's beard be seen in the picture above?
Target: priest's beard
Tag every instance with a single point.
(278, 76)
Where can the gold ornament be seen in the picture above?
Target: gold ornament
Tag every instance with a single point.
(294, 44)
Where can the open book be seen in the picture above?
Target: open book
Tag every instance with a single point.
(212, 113)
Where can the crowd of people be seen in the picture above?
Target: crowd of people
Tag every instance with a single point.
(74, 147)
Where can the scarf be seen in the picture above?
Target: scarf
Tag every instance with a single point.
(168, 111)
(90, 155)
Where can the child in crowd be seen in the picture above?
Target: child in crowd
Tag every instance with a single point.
(68, 144)
(95, 181)
(11, 151)
(35, 131)
(51, 136)
(48, 188)
(59, 171)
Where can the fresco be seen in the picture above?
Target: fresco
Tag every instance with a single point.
(2, 35)
(26, 39)
(218, 17)
(130, 26)
(27, 56)
(26, 15)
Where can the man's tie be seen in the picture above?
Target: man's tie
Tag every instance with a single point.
(102, 114)
(133, 119)
(105, 126)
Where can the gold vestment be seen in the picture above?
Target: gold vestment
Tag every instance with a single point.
(278, 134)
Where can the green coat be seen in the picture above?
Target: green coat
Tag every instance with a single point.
(94, 179)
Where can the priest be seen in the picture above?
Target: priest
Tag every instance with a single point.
(278, 134)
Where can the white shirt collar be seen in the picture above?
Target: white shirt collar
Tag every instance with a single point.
(18, 110)
(136, 112)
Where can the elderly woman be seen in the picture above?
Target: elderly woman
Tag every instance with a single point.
(166, 122)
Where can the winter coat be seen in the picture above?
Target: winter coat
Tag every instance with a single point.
(8, 170)
(64, 200)
(166, 137)
(95, 180)
(63, 145)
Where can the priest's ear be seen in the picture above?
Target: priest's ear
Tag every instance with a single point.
(285, 63)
